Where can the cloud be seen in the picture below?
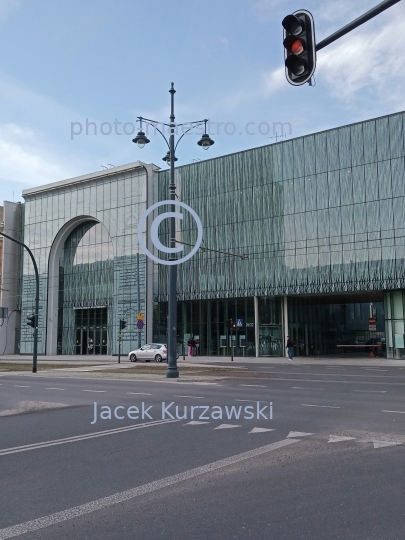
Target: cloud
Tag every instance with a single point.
(367, 62)
(26, 159)
(6, 6)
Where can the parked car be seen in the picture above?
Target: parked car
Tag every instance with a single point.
(150, 351)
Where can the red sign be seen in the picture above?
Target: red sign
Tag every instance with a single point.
(372, 324)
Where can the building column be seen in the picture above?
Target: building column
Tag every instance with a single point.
(284, 308)
(256, 308)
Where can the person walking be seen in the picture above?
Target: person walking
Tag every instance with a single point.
(290, 348)
(191, 343)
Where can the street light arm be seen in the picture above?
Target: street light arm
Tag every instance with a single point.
(199, 123)
(154, 127)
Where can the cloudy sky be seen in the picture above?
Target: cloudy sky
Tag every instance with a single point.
(105, 61)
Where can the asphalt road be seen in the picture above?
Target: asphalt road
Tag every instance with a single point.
(328, 464)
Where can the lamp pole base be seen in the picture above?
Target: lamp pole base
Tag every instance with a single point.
(172, 373)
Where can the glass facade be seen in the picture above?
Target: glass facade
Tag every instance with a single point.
(99, 263)
(86, 280)
(320, 214)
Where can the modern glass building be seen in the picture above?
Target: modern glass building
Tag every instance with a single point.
(304, 237)
(82, 232)
(320, 222)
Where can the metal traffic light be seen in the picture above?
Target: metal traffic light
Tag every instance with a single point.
(233, 326)
(299, 47)
(228, 323)
(31, 321)
(123, 324)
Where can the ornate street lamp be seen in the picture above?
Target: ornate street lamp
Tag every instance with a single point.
(205, 142)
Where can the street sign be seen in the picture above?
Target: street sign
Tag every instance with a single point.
(140, 324)
(140, 316)
(372, 324)
(239, 323)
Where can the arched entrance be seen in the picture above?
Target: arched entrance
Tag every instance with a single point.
(80, 293)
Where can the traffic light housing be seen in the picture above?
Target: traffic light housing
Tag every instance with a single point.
(228, 323)
(299, 47)
(31, 321)
(233, 326)
(123, 324)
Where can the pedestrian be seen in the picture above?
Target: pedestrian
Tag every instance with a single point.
(191, 345)
(290, 348)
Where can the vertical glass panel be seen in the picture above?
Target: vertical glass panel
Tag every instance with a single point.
(370, 146)
(371, 182)
(333, 150)
(321, 154)
(383, 139)
(396, 136)
(398, 177)
(299, 158)
(357, 144)
(346, 186)
(345, 152)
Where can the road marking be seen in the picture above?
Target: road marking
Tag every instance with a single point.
(21, 386)
(398, 412)
(97, 391)
(139, 393)
(336, 438)
(192, 397)
(336, 368)
(372, 391)
(384, 444)
(327, 375)
(304, 388)
(322, 406)
(373, 369)
(55, 389)
(195, 423)
(293, 434)
(76, 438)
(260, 430)
(250, 400)
(226, 426)
(255, 385)
(93, 506)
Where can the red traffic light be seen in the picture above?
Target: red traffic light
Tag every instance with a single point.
(299, 47)
(294, 45)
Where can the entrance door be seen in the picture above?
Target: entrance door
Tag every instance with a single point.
(91, 331)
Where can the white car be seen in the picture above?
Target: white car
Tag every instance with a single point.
(150, 351)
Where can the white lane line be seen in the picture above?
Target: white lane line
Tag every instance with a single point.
(21, 386)
(294, 434)
(55, 389)
(251, 401)
(195, 423)
(192, 397)
(304, 388)
(76, 438)
(322, 406)
(96, 391)
(372, 391)
(384, 444)
(260, 430)
(93, 506)
(227, 426)
(255, 385)
(373, 369)
(139, 394)
(344, 369)
(337, 438)
(397, 412)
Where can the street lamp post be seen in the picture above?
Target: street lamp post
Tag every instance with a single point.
(170, 158)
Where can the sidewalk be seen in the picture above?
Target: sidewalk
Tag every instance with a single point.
(213, 360)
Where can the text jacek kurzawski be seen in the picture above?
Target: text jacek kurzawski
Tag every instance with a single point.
(184, 412)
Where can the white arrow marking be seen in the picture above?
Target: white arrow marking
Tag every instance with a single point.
(293, 434)
(226, 426)
(336, 438)
(260, 430)
(195, 423)
(383, 444)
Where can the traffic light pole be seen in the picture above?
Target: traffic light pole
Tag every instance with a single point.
(231, 344)
(357, 22)
(119, 344)
(36, 314)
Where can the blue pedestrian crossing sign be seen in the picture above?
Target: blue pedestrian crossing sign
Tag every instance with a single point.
(239, 323)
